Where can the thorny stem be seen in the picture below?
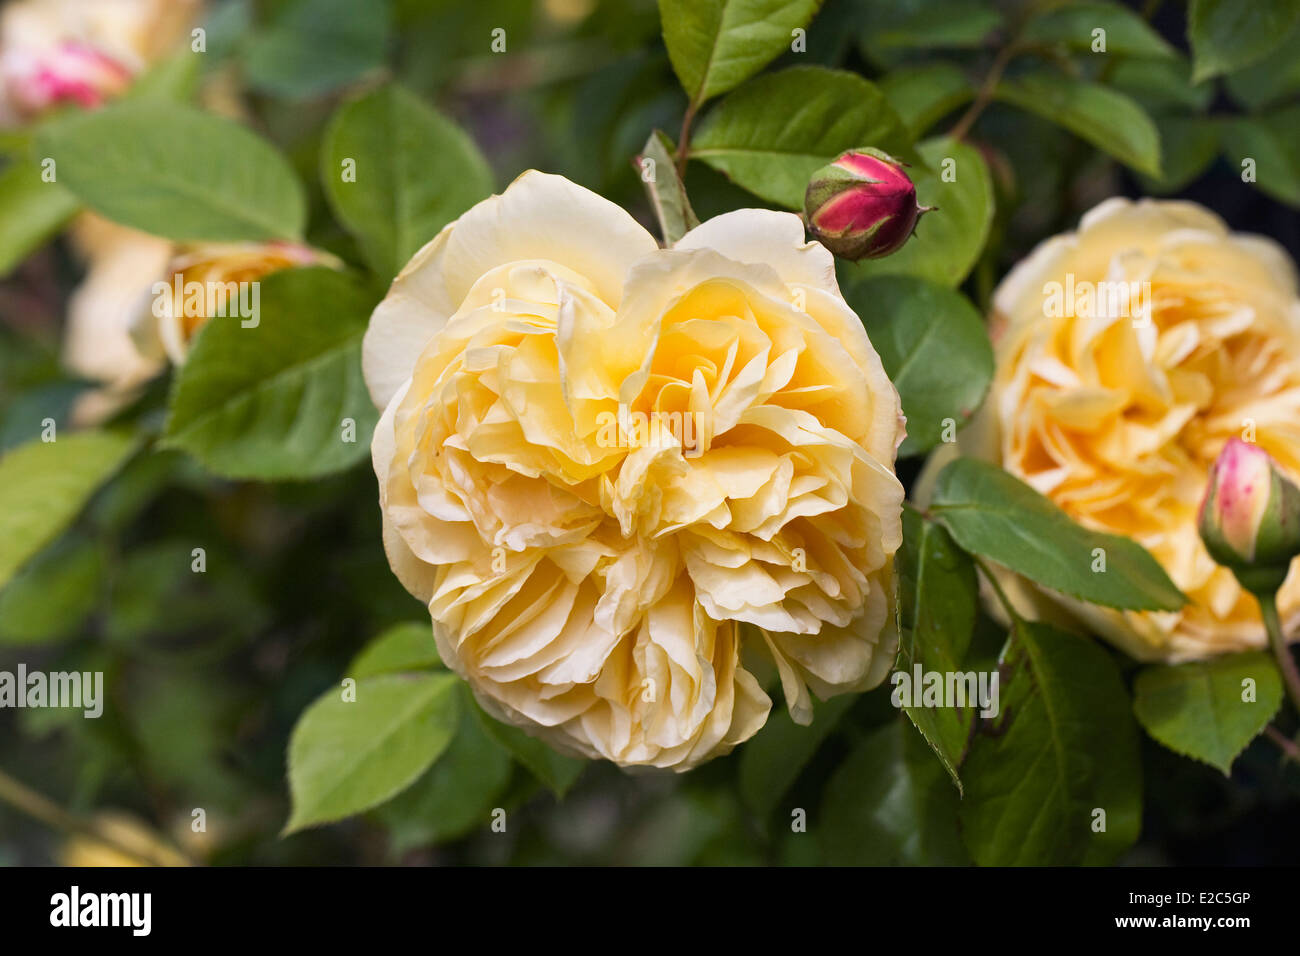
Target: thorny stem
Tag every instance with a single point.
(35, 805)
(1285, 662)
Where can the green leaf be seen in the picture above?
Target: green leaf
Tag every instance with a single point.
(401, 648)
(774, 132)
(316, 46)
(894, 27)
(938, 603)
(1161, 85)
(715, 45)
(1227, 34)
(348, 756)
(948, 241)
(1106, 118)
(270, 402)
(174, 79)
(667, 194)
(773, 759)
(52, 597)
(1064, 747)
(935, 350)
(415, 171)
(44, 485)
(557, 771)
(456, 795)
(890, 804)
(1189, 144)
(176, 172)
(1270, 81)
(31, 211)
(1127, 34)
(1272, 141)
(992, 513)
(923, 95)
(1199, 709)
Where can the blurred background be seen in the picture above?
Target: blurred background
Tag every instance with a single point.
(206, 674)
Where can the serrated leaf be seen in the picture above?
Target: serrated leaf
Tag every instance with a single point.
(51, 597)
(1065, 746)
(664, 187)
(1227, 35)
(891, 804)
(349, 756)
(1126, 33)
(315, 46)
(1272, 80)
(1106, 118)
(923, 95)
(894, 27)
(947, 242)
(1198, 709)
(994, 514)
(456, 795)
(772, 760)
(43, 486)
(555, 770)
(415, 171)
(31, 211)
(938, 604)
(1272, 142)
(269, 402)
(176, 172)
(935, 350)
(400, 649)
(715, 45)
(774, 132)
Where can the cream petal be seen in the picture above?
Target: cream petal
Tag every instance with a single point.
(770, 238)
(541, 216)
(417, 306)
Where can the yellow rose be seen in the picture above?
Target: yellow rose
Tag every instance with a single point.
(126, 318)
(619, 474)
(213, 278)
(127, 841)
(81, 52)
(1128, 354)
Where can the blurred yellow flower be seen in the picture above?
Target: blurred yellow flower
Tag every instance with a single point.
(144, 298)
(619, 475)
(124, 833)
(1129, 353)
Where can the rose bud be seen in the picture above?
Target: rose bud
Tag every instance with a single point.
(1250, 518)
(862, 206)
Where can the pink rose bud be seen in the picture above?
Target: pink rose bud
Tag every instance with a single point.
(72, 73)
(862, 206)
(1250, 517)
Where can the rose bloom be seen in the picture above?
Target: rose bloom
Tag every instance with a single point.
(81, 52)
(622, 476)
(121, 331)
(1116, 400)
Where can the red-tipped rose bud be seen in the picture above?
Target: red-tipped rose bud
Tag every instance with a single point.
(862, 206)
(1250, 518)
